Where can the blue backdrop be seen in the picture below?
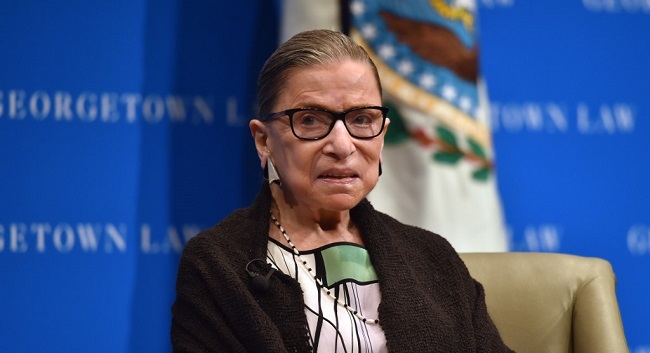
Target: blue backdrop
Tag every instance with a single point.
(123, 131)
(569, 86)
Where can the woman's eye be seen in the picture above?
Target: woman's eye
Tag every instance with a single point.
(307, 120)
(362, 119)
(311, 119)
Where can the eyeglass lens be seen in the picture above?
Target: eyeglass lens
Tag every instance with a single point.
(314, 124)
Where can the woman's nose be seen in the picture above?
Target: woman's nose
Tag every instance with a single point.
(339, 141)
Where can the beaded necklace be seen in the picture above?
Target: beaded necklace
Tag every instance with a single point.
(319, 283)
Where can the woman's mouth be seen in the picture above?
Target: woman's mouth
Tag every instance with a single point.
(337, 176)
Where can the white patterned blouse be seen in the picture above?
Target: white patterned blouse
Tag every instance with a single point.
(344, 269)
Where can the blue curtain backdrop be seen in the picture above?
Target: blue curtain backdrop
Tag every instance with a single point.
(123, 131)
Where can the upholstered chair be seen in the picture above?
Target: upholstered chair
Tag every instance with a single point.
(551, 303)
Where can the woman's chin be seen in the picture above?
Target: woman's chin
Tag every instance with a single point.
(341, 202)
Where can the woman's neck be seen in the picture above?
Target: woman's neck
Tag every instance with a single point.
(311, 228)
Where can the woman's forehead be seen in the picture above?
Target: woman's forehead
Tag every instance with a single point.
(322, 85)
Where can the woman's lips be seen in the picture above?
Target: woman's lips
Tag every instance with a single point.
(339, 175)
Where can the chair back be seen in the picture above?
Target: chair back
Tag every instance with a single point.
(551, 303)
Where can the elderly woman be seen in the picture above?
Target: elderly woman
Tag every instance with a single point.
(310, 265)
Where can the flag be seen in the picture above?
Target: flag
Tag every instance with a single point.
(438, 161)
(303, 15)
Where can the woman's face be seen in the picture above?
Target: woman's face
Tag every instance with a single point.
(338, 171)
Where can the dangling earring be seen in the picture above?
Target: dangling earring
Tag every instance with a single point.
(271, 174)
(379, 169)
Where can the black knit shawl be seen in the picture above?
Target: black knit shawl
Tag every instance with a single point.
(429, 301)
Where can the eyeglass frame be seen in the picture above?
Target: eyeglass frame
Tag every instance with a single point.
(336, 117)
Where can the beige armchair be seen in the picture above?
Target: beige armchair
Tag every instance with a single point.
(543, 302)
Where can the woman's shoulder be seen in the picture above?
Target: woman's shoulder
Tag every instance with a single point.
(241, 235)
(384, 231)
(230, 236)
(428, 247)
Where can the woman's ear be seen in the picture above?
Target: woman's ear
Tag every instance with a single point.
(259, 131)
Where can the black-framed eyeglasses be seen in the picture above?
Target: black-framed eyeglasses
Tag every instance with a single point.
(316, 123)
